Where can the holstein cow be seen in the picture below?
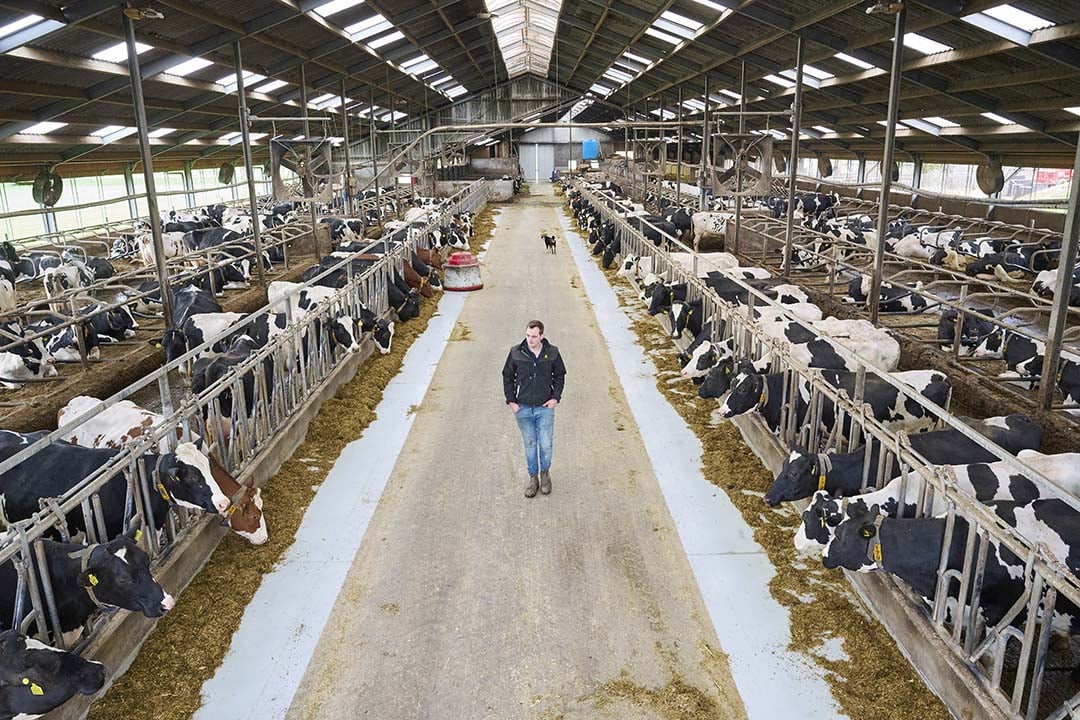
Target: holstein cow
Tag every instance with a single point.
(750, 391)
(113, 325)
(306, 300)
(28, 360)
(802, 472)
(63, 343)
(891, 298)
(172, 242)
(86, 578)
(180, 478)
(973, 332)
(123, 423)
(710, 226)
(196, 330)
(38, 678)
(910, 549)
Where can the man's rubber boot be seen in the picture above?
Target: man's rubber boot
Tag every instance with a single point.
(530, 486)
(545, 482)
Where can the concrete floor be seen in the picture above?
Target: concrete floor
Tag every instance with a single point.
(467, 600)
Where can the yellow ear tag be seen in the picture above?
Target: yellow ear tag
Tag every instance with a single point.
(821, 482)
(761, 399)
(138, 535)
(877, 553)
(163, 491)
(157, 345)
(35, 689)
(93, 579)
(232, 509)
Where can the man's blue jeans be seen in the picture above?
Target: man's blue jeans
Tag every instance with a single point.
(537, 425)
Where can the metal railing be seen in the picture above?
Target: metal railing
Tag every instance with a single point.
(235, 426)
(983, 649)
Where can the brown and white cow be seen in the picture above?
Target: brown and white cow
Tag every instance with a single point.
(124, 422)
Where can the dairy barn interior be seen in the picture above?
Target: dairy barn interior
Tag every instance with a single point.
(811, 268)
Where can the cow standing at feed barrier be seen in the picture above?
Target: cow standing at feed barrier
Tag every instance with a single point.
(38, 678)
(123, 424)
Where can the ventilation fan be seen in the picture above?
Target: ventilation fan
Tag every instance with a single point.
(48, 187)
(824, 166)
(225, 173)
(990, 177)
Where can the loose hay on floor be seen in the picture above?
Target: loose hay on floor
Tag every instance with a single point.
(874, 681)
(185, 649)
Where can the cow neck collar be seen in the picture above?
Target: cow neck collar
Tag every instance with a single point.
(824, 467)
(873, 548)
(158, 484)
(763, 399)
(234, 501)
(83, 556)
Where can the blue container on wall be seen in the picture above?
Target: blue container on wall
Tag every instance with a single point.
(590, 150)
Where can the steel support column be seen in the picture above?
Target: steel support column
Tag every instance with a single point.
(874, 298)
(249, 172)
(678, 160)
(702, 204)
(738, 167)
(148, 169)
(793, 160)
(1062, 290)
(307, 154)
(129, 186)
(374, 144)
(348, 154)
(189, 184)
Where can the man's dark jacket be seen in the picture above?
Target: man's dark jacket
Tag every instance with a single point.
(532, 380)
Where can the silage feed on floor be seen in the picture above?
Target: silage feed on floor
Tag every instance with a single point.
(870, 679)
(165, 680)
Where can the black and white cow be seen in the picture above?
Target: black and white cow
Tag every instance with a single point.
(892, 298)
(663, 296)
(181, 478)
(112, 325)
(172, 242)
(711, 226)
(910, 549)
(84, 578)
(196, 330)
(63, 343)
(306, 300)
(888, 405)
(405, 304)
(212, 367)
(802, 472)
(988, 482)
(26, 360)
(974, 331)
(38, 678)
(685, 316)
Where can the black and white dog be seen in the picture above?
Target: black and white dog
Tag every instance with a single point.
(549, 242)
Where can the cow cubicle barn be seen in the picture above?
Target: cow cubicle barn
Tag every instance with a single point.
(915, 166)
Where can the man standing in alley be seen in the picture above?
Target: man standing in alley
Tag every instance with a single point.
(533, 378)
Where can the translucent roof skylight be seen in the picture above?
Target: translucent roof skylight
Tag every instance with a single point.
(187, 67)
(335, 6)
(367, 28)
(816, 72)
(662, 36)
(600, 90)
(576, 109)
(923, 44)
(731, 94)
(456, 90)
(228, 82)
(777, 80)
(270, 86)
(997, 118)
(386, 39)
(1018, 18)
(1073, 110)
(853, 61)
(118, 53)
(713, 6)
(43, 128)
(161, 132)
(677, 25)
(941, 122)
(17, 25)
(112, 133)
(525, 31)
(823, 129)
